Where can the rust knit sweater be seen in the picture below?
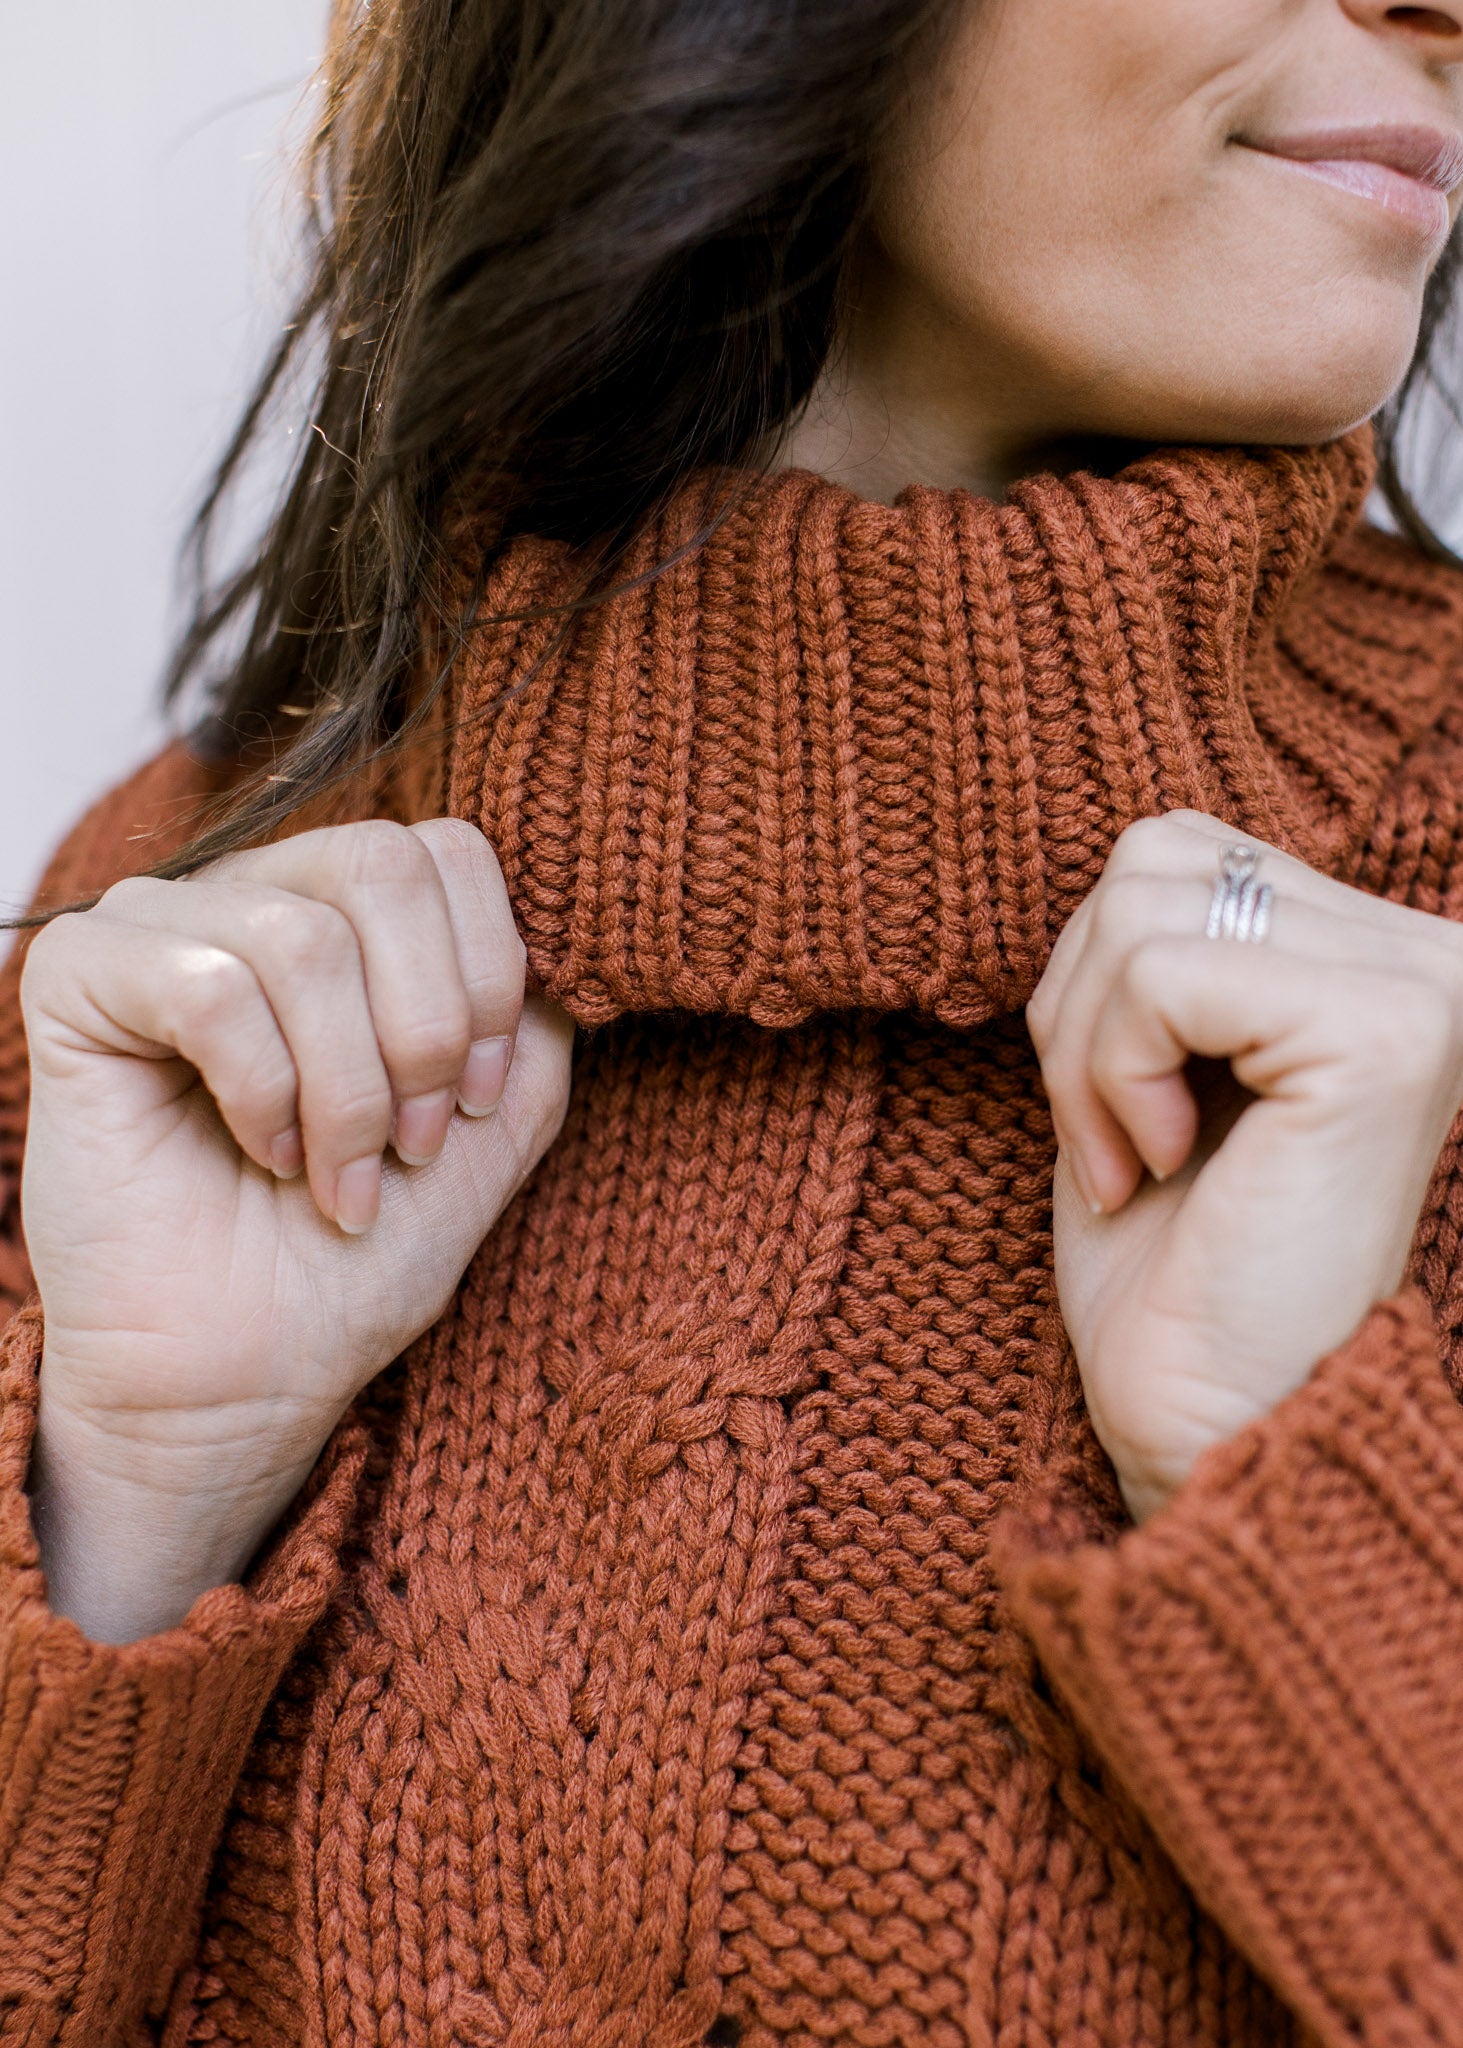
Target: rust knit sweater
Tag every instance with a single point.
(723, 1626)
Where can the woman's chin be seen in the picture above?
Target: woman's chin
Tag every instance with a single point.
(1300, 402)
(1310, 387)
(1305, 417)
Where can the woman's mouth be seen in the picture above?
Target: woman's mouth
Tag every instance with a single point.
(1409, 173)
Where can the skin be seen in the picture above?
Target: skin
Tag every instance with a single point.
(1206, 1263)
(211, 1308)
(225, 1249)
(1139, 273)
(1156, 278)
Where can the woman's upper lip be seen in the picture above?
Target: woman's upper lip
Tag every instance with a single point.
(1434, 156)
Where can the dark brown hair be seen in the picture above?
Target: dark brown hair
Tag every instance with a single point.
(563, 252)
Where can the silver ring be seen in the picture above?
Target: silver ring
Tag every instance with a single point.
(1239, 907)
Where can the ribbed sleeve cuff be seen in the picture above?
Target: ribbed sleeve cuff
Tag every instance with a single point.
(117, 1764)
(1272, 1668)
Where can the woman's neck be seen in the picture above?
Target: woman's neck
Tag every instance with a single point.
(913, 397)
(857, 439)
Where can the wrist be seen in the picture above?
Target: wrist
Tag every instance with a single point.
(1148, 1480)
(1144, 1497)
(132, 1530)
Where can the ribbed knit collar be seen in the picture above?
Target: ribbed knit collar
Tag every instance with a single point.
(844, 754)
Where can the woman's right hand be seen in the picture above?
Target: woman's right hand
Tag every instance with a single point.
(207, 1321)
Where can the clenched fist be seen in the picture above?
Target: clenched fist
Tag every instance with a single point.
(1280, 1201)
(224, 1246)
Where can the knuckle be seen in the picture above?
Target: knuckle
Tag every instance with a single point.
(1127, 907)
(1061, 1074)
(459, 847)
(210, 988)
(496, 980)
(377, 851)
(457, 839)
(1147, 969)
(301, 932)
(129, 894)
(435, 1040)
(353, 1104)
(1144, 839)
(46, 951)
(1109, 1060)
(1157, 838)
(263, 1092)
(1098, 1066)
(238, 864)
(57, 934)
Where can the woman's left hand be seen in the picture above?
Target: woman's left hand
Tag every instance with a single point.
(1283, 1204)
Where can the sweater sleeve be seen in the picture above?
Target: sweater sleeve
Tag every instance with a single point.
(118, 1764)
(1271, 1667)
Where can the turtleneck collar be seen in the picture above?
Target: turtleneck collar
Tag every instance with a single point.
(845, 754)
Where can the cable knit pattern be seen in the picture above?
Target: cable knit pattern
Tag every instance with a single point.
(723, 1626)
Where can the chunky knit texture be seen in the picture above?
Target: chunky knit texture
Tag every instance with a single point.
(723, 1625)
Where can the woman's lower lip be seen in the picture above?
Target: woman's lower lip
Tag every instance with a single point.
(1411, 203)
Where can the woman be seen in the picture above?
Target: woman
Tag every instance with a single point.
(920, 1500)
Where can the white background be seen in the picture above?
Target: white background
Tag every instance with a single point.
(146, 226)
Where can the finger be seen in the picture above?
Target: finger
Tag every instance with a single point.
(307, 960)
(1108, 1156)
(1128, 910)
(116, 987)
(1174, 846)
(382, 880)
(1378, 1034)
(1169, 844)
(485, 1162)
(1185, 844)
(443, 963)
(491, 954)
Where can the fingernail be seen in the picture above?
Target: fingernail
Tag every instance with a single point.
(287, 1154)
(421, 1125)
(485, 1076)
(358, 1194)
